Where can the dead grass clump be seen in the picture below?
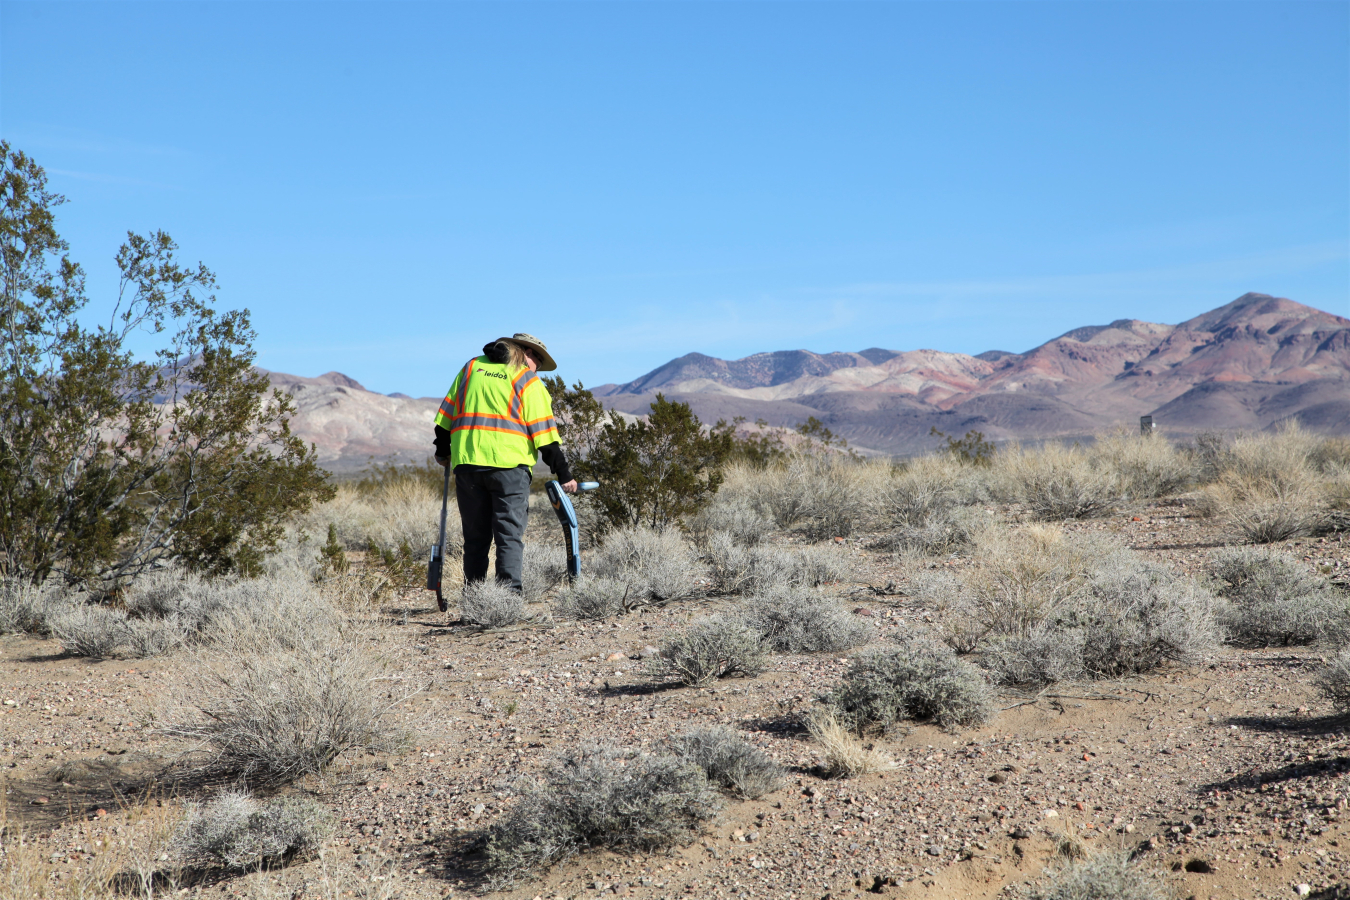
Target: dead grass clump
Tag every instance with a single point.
(1275, 601)
(1105, 876)
(242, 833)
(391, 514)
(1054, 482)
(793, 620)
(598, 798)
(846, 756)
(593, 597)
(711, 648)
(729, 761)
(1333, 682)
(492, 604)
(915, 679)
(660, 565)
(1148, 465)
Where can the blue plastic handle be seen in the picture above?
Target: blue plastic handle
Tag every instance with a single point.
(588, 485)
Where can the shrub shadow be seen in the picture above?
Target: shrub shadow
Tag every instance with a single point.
(1293, 724)
(1338, 765)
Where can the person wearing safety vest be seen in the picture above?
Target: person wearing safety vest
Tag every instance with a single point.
(494, 425)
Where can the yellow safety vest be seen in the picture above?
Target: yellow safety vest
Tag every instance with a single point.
(496, 418)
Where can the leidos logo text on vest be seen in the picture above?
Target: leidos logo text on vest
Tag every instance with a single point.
(501, 375)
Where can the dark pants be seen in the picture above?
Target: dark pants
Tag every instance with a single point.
(494, 505)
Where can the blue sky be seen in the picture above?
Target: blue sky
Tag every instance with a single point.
(386, 186)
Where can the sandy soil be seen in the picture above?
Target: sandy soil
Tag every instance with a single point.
(1232, 777)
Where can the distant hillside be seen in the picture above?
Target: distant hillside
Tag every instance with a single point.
(1249, 364)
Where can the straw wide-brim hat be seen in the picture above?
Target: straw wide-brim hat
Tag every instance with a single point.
(546, 363)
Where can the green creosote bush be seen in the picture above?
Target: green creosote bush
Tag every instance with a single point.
(914, 679)
(598, 798)
(491, 604)
(117, 459)
(711, 648)
(1104, 876)
(793, 620)
(659, 565)
(1273, 600)
(1333, 682)
(593, 597)
(244, 834)
(730, 762)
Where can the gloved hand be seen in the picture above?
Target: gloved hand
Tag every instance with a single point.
(444, 461)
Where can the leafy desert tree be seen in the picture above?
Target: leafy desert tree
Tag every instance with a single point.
(581, 420)
(657, 471)
(110, 462)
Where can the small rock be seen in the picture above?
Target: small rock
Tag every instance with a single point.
(100, 812)
(934, 850)
(1052, 814)
(1019, 834)
(616, 656)
(1303, 890)
(478, 809)
(864, 611)
(998, 778)
(41, 801)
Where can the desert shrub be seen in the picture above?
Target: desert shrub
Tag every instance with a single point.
(1275, 601)
(1333, 682)
(729, 761)
(25, 607)
(1148, 465)
(823, 495)
(593, 597)
(660, 565)
(793, 620)
(846, 756)
(266, 705)
(544, 569)
(915, 679)
(1055, 482)
(243, 833)
(389, 514)
(731, 515)
(598, 798)
(1131, 617)
(94, 631)
(1105, 876)
(714, 647)
(492, 604)
(736, 569)
(946, 532)
(1272, 486)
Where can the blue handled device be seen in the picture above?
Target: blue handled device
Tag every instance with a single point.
(562, 505)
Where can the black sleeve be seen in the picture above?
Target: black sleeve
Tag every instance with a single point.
(442, 442)
(553, 457)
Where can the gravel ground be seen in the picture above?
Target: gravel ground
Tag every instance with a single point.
(1232, 777)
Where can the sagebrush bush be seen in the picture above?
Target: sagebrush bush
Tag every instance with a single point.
(598, 798)
(729, 761)
(824, 495)
(1104, 876)
(794, 620)
(845, 755)
(737, 569)
(713, 647)
(593, 597)
(266, 706)
(660, 565)
(1273, 600)
(951, 530)
(1333, 682)
(914, 679)
(492, 604)
(1272, 486)
(731, 515)
(243, 833)
(545, 567)
(94, 631)
(1054, 482)
(1147, 465)
(1130, 617)
(400, 511)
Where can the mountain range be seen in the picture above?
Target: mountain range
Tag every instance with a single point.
(1250, 364)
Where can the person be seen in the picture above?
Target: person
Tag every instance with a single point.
(493, 426)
